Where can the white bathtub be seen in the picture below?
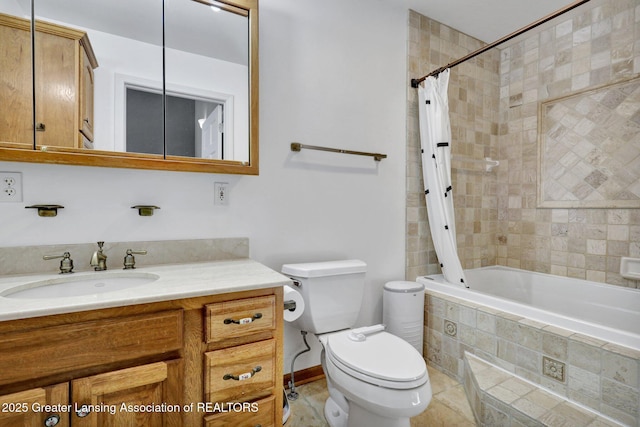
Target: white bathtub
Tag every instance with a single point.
(607, 312)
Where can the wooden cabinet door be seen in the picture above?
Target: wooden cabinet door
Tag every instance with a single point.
(128, 397)
(29, 408)
(56, 62)
(16, 89)
(86, 97)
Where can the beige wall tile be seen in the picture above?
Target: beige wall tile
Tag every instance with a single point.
(620, 368)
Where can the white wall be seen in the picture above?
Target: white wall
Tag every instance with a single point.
(331, 73)
(14, 7)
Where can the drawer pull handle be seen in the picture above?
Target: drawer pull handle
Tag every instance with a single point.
(83, 411)
(244, 320)
(244, 376)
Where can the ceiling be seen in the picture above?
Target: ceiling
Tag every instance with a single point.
(189, 26)
(487, 20)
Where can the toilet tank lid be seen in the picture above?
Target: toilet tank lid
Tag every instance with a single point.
(327, 268)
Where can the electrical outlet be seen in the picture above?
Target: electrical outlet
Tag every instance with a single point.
(221, 193)
(10, 186)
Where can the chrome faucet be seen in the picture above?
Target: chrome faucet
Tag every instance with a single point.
(99, 259)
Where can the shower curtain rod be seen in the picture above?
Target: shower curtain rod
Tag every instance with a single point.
(416, 82)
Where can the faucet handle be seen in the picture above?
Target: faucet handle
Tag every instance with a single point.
(130, 260)
(66, 264)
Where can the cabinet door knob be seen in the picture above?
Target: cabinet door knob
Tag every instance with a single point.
(244, 376)
(40, 127)
(52, 420)
(83, 411)
(243, 320)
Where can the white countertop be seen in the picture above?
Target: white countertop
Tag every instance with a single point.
(175, 281)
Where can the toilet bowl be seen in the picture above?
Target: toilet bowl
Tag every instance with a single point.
(375, 379)
(382, 379)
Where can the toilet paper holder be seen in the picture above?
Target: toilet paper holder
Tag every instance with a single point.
(293, 304)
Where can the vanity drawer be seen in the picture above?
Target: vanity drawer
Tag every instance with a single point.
(239, 318)
(260, 413)
(241, 373)
(75, 346)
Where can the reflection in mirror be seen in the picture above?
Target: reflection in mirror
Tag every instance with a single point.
(144, 109)
(141, 121)
(208, 47)
(16, 87)
(107, 39)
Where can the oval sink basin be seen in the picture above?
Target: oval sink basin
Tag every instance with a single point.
(80, 285)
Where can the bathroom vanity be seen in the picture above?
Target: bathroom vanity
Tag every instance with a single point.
(201, 344)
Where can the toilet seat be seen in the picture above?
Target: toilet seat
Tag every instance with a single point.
(382, 359)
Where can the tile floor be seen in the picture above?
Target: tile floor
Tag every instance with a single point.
(448, 407)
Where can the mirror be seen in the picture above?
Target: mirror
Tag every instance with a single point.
(115, 87)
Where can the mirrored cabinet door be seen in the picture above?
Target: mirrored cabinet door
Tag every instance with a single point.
(207, 80)
(89, 53)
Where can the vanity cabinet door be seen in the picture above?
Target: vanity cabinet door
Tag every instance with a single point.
(119, 397)
(28, 408)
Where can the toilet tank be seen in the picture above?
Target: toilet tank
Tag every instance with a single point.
(332, 293)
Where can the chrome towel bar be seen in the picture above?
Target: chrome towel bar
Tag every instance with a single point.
(296, 146)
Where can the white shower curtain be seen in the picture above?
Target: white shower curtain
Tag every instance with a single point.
(435, 139)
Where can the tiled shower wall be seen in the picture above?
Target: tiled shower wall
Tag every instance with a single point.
(494, 102)
(595, 44)
(473, 105)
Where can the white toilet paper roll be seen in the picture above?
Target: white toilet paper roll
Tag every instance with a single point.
(291, 294)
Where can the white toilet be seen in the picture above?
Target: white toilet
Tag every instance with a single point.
(375, 379)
